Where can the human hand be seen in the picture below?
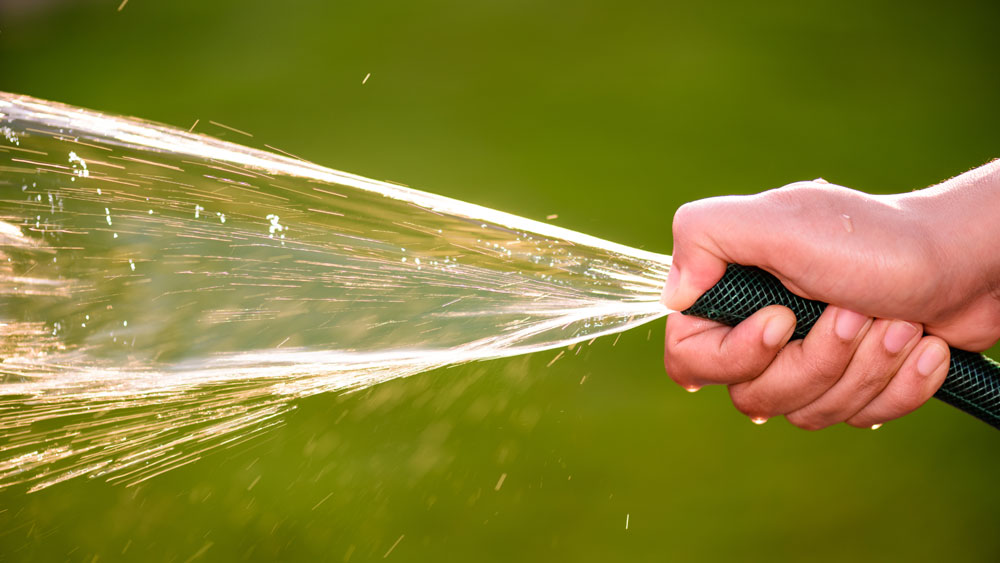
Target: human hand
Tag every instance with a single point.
(891, 257)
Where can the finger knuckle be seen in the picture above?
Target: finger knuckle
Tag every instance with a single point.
(743, 369)
(811, 423)
(859, 422)
(907, 398)
(824, 369)
(748, 402)
(793, 194)
(802, 185)
(744, 363)
(691, 216)
(684, 217)
(676, 369)
(873, 380)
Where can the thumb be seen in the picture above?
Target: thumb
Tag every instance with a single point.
(697, 263)
(689, 279)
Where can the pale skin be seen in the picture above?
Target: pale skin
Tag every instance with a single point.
(906, 275)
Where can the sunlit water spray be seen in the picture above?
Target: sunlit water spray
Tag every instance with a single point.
(165, 293)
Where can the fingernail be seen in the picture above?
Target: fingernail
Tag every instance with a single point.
(758, 420)
(876, 426)
(777, 330)
(673, 282)
(931, 359)
(898, 335)
(692, 389)
(820, 181)
(848, 324)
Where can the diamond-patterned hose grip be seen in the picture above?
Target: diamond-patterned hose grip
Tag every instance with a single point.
(973, 382)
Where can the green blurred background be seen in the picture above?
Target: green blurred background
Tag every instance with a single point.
(611, 115)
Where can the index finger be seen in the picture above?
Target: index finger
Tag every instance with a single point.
(699, 352)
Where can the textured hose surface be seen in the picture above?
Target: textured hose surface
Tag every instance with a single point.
(973, 382)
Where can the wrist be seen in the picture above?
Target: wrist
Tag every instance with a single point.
(962, 229)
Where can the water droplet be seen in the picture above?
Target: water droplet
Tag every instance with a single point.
(848, 224)
(82, 171)
(275, 226)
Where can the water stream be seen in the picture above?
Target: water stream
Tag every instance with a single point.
(164, 293)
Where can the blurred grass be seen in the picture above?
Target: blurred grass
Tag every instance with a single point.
(610, 114)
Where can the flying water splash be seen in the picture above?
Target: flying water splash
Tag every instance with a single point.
(164, 293)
